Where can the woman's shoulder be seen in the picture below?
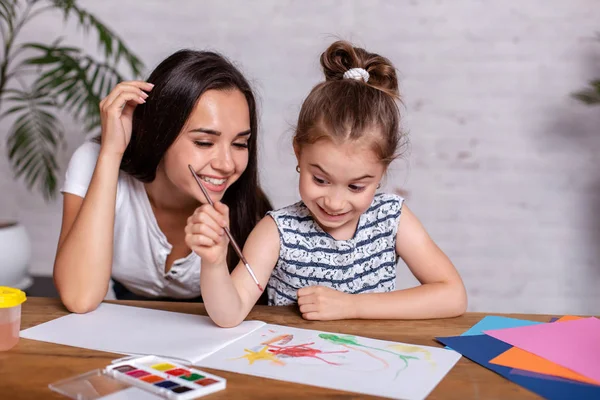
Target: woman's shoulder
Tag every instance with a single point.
(81, 168)
(87, 152)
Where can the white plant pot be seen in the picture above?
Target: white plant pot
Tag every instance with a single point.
(15, 256)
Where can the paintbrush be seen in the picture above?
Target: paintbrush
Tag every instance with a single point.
(227, 232)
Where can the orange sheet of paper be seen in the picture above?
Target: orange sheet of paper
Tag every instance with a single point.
(568, 318)
(521, 359)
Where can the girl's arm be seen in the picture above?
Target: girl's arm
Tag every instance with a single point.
(84, 253)
(229, 298)
(441, 294)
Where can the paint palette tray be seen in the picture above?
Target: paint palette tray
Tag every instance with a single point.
(156, 377)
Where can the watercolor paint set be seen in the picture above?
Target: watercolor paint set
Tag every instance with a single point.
(158, 377)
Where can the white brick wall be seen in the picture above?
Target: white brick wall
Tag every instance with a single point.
(501, 170)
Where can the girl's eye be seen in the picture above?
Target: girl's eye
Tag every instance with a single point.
(356, 188)
(319, 180)
(241, 145)
(202, 144)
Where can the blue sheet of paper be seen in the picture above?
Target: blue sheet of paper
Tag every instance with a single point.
(491, 322)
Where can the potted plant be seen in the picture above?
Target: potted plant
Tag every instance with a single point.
(38, 80)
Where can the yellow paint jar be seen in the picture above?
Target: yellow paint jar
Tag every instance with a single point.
(10, 316)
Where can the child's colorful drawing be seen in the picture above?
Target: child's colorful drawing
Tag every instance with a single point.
(276, 350)
(345, 362)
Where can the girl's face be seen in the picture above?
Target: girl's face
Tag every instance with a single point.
(337, 183)
(214, 141)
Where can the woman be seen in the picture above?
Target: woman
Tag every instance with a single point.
(127, 199)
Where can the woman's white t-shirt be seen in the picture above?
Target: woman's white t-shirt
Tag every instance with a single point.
(140, 248)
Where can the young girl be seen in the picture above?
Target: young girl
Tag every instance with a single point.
(127, 199)
(334, 253)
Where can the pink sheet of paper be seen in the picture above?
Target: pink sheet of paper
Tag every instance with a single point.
(572, 344)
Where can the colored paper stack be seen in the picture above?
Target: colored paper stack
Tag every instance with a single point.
(556, 360)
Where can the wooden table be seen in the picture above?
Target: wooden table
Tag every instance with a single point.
(27, 369)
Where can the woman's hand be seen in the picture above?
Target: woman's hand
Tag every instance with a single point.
(116, 114)
(205, 233)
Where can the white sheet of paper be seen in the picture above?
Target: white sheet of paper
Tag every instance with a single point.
(337, 361)
(141, 331)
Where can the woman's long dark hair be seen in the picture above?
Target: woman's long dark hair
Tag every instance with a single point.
(179, 81)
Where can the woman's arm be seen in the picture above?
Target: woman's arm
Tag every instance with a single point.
(84, 254)
(83, 261)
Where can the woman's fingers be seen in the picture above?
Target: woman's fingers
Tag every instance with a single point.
(204, 227)
(128, 86)
(204, 220)
(117, 105)
(199, 240)
(207, 231)
(211, 212)
(224, 211)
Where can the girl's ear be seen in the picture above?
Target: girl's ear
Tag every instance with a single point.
(297, 151)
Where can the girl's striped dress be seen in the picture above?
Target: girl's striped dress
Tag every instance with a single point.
(309, 256)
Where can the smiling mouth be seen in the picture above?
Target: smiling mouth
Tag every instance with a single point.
(213, 181)
(331, 214)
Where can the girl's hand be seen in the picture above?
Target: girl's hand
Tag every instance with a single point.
(204, 233)
(116, 113)
(323, 303)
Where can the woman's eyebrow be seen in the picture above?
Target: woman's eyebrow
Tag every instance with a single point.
(217, 133)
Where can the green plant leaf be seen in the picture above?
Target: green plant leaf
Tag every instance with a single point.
(75, 80)
(33, 141)
(67, 79)
(589, 96)
(12, 110)
(8, 10)
(111, 45)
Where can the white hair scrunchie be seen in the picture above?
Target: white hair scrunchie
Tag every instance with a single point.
(357, 73)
